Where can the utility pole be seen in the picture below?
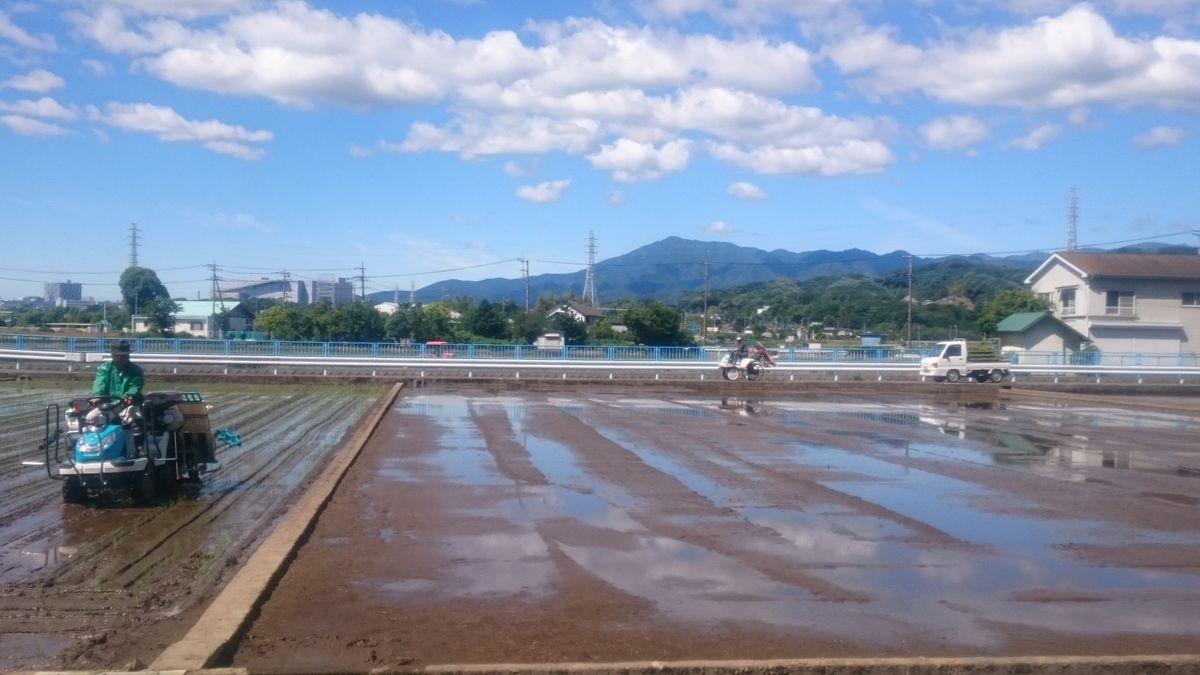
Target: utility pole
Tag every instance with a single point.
(362, 280)
(910, 302)
(287, 286)
(212, 316)
(133, 244)
(704, 318)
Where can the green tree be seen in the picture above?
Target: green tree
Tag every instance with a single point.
(276, 322)
(573, 332)
(527, 326)
(1005, 303)
(487, 320)
(143, 294)
(655, 324)
(602, 333)
(355, 322)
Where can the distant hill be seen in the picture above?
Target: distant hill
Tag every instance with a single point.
(668, 269)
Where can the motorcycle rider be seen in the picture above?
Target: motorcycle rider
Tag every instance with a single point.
(740, 350)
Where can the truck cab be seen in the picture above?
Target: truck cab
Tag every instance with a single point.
(953, 360)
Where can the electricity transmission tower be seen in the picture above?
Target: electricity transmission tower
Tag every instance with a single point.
(589, 281)
(1072, 220)
(133, 244)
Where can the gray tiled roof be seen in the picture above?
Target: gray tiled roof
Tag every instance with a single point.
(1135, 265)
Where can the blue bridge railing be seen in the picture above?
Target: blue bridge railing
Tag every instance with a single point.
(693, 354)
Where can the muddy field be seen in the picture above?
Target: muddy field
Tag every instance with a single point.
(482, 527)
(110, 587)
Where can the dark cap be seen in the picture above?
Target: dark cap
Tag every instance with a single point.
(120, 347)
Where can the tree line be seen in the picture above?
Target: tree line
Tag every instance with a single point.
(953, 298)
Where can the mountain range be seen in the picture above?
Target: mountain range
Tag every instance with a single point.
(668, 269)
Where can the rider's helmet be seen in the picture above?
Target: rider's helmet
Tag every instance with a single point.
(739, 339)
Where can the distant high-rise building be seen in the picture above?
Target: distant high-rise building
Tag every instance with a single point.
(62, 292)
(335, 291)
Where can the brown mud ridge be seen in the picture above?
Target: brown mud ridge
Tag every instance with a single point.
(488, 524)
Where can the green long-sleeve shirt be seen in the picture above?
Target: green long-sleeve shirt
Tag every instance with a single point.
(112, 382)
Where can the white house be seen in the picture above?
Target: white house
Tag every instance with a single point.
(195, 317)
(1125, 302)
(578, 311)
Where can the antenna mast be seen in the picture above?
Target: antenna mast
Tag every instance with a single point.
(1072, 220)
(133, 244)
(589, 281)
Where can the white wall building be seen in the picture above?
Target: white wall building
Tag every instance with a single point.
(1125, 302)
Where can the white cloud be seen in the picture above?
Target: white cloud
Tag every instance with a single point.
(957, 132)
(1036, 138)
(15, 34)
(719, 227)
(1066, 61)
(43, 107)
(97, 67)
(38, 81)
(1159, 136)
(744, 190)
(616, 198)
(182, 9)
(845, 157)
(27, 126)
(169, 126)
(631, 161)
(474, 135)
(550, 191)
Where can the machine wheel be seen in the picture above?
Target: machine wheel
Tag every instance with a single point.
(996, 375)
(953, 376)
(730, 374)
(145, 487)
(74, 492)
(753, 371)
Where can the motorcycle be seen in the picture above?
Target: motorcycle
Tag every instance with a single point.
(751, 367)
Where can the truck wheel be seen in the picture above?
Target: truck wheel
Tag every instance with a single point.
(996, 375)
(730, 374)
(953, 376)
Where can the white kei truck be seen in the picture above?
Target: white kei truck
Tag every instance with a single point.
(953, 360)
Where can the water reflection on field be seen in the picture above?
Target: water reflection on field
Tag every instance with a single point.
(876, 521)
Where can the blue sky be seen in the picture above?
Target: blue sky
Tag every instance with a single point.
(447, 139)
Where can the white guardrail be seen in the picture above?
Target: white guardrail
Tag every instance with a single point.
(1182, 374)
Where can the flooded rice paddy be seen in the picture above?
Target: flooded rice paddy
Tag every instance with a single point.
(601, 526)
